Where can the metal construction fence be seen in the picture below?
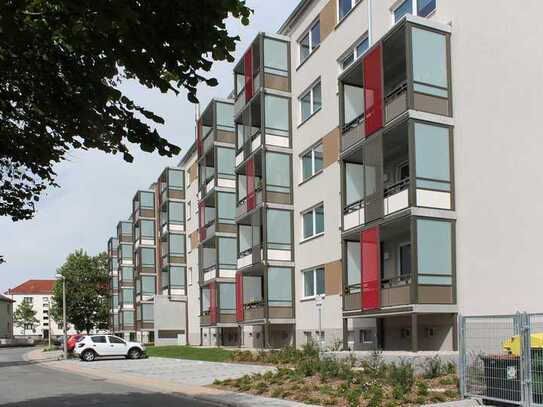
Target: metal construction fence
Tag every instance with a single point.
(501, 358)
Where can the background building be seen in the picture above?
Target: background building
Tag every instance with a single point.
(39, 294)
(6, 317)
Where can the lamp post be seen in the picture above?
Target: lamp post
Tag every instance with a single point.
(65, 341)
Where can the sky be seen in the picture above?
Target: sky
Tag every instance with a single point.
(97, 189)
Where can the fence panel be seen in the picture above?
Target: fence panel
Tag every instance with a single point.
(535, 324)
(486, 370)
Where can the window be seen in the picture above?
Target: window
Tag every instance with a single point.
(434, 252)
(175, 178)
(147, 312)
(279, 287)
(228, 252)
(176, 212)
(226, 158)
(227, 296)
(275, 57)
(45, 300)
(311, 102)
(226, 203)
(311, 162)
(128, 296)
(98, 339)
(278, 172)
(177, 245)
(425, 7)
(354, 53)
(354, 183)
(405, 7)
(279, 237)
(353, 265)
(366, 336)
(313, 222)
(28, 300)
(430, 74)
(147, 200)
(114, 339)
(432, 157)
(148, 285)
(147, 228)
(126, 228)
(225, 116)
(127, 273)
(310, 41)
(147, 257)
(126, 251)
(177, 277)
(404, 260)
(345, 6)
(277, 116)
(421, 8)
(314, 282)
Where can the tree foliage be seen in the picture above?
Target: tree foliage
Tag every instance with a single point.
(86, 291)
(61, 62)
(25, 316)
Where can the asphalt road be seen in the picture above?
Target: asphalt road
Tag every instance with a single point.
(34, 385)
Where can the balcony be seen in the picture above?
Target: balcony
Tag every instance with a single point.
(173, 249)
(218, 258)
(143, 205)
(173, 279)
(250, 77)
(278, 305)
(124, 232)
(408, 165)
(218, 304)
(402, 262)
(172, 185)
(217, 171)
(376, 89)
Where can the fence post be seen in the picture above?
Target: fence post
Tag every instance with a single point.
(526, 359)
(462, 355)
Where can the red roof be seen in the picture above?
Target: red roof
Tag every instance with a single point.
(34, 287)
(5, 299)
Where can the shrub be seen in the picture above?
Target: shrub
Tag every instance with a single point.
(436, 368)
(422, 389)
(438, 397)
(353, 396)
(398, 392)
(307, 367)
(277, 392)
(401, 376)
(448, 380)
(376, 396)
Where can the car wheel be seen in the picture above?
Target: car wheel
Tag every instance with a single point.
(88, 356)
(134, 353)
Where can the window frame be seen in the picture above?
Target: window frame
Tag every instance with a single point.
(399, 260)
(309, 34)
(353, 51)
(309, 91)
(312, 210)
(414, 10)
(340, 18)
(311, 150)
(315, 294)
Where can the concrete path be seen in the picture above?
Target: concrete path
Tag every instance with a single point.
(167, 376)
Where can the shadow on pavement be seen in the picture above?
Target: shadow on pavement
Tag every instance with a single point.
(112, 400)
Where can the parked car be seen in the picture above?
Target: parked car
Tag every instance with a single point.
(91, 347)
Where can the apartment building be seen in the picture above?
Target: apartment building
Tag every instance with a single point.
(149, 289)
(378, 189)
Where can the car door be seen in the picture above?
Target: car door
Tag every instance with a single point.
(117, 346)
(100, 344)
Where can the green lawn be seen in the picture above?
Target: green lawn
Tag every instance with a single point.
(188, 352)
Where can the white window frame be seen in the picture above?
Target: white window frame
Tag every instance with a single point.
(414, 9)
(353, 5)
(313, 210)
(315, 294)
(310, 92)
(353, 50)
(313, 172)
(312, 48)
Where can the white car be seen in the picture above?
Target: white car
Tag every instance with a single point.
(93, 346)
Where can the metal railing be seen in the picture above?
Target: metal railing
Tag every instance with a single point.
(500, 360)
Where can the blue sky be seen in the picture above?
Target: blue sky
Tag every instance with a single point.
(97, 189)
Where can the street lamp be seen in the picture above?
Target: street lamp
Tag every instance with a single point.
(65, 341)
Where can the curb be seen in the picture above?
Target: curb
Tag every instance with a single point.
(189, 392)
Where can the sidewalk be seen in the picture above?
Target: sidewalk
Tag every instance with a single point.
(167, 376)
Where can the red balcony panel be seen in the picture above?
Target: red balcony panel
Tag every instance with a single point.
(251, 195)
(213, 303)
(373, 91)
(239, 297)
(248, 69)
(371, 259)
(201, 220)
(199, 144)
